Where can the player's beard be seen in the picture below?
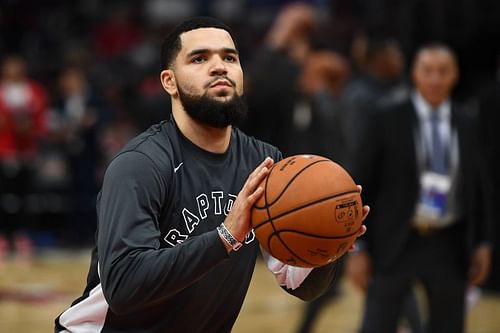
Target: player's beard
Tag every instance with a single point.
(214, 113)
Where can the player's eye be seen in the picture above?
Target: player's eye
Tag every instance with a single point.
(230, 58)
(198, 59)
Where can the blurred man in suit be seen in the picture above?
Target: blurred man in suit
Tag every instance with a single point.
(424, 175)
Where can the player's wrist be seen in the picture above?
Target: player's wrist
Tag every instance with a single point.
(225, 244)
(227, 237)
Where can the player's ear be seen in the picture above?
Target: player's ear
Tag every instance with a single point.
(167, 78)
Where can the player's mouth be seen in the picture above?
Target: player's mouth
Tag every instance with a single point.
(221, 83)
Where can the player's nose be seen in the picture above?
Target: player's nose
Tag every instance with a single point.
(218, 67)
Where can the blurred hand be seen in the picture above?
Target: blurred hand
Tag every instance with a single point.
(291, 29)
(324, 70)
(480, 264)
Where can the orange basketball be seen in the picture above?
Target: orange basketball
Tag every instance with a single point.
(310, 211)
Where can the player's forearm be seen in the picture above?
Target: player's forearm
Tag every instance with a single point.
(316, 284)
(140, 277)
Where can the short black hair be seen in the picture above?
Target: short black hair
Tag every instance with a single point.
(435, 46)
(172, 43)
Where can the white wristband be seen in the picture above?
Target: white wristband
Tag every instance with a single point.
(228, 237)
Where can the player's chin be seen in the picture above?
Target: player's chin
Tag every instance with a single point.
(223, 97)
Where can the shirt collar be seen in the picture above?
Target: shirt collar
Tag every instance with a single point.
(423, 108)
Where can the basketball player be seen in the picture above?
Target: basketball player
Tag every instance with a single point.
(175, 251)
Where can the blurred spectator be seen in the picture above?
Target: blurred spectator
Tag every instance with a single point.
(341, 24)
(489, 116)
(273, 84)
(78, 118)
(116, 42)
(23, 108)
(319, 125)
(323, 81)
(424, 175)
(118, 34)
(380, 80)
(167, 12)
(150, 103)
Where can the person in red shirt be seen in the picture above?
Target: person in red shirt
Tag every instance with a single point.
(23, 107)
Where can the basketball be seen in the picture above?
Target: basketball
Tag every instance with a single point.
(310, 211)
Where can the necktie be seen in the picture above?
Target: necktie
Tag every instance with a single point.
(438, 154)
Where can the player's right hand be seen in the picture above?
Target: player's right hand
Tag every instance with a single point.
(237, 221)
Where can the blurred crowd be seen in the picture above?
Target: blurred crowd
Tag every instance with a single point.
(79, 78)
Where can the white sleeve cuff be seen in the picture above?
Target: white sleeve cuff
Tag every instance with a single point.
(286, 275)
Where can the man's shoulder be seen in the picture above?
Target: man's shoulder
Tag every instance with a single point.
(248, 144)
(397, 105)
(147, 138)
(394, 110)
(155, 143)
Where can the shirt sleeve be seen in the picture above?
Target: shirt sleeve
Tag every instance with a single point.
(288, 276)
(135, 271)
(304, 283)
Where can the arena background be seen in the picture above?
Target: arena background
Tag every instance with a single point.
(112, 48)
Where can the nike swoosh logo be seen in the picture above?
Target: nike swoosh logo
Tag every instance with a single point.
(177, 167)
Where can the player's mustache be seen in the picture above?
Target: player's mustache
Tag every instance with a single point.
(217, 78)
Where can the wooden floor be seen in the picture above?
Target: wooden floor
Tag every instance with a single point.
(31, 295)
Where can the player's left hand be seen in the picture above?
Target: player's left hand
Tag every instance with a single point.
(362, 229)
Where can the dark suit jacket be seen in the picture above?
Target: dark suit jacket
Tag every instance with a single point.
(386, 166)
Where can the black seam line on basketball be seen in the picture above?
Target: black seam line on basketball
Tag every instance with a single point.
(317, 236)
(300, 207)
(330, 197)
(291, 180)
(293, 252)
(265, 199)
(269, 218)
(289, 249)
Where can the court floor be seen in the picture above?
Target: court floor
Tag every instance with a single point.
(31, 295)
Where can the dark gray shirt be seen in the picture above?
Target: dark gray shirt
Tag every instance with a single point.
(159, 264)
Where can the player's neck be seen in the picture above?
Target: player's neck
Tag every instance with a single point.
(214, 140)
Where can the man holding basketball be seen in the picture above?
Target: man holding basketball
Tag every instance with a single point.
(175, 251)
(424, 173)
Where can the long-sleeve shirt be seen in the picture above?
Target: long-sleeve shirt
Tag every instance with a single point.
(159, 264)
